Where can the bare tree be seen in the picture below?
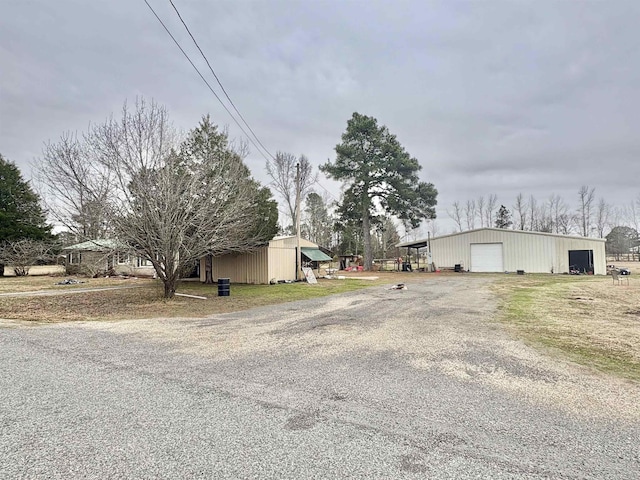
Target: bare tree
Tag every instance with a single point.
(585, 214)
(74, 187)
(533, 213)
(23, 254)
(492, 204)
(470, 214)
(603, 214)
(480, 207)
(520, 210)
(631, 213)
(173, 203)
(456, 214)
(283, 170)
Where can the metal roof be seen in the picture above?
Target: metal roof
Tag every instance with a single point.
(315, 254)
(97, 245)
(424, 241)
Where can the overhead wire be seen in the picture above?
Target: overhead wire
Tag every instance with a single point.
(323, 187)
(205, 81)
(218, 79)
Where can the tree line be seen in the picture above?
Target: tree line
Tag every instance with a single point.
(166, 197)
(173, 198)
(589, 217)
(380, 186)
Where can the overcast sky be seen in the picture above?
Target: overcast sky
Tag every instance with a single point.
(491, 97)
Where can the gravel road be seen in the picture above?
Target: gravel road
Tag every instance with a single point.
(378, 383)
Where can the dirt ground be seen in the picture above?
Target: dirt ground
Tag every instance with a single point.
(426, 380)
(441, 323)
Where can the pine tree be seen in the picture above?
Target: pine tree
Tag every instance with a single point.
(503, 219)
(21, 216)
(378, 175)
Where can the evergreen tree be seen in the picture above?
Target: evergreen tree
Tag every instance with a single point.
(21, 216)
(503, 219)
(621, 240)
(378, 175)
(318, 223)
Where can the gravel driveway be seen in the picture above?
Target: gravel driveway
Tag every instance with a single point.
(377, 383)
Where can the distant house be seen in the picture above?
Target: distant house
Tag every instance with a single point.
(104, 255)
(276, 260)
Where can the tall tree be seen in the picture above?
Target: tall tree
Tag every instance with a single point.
(283, 170)
(586, 196)
(456, 214)
(378, 174)
(470, 214)
(621, 240)
(21, 216)
(74, 186)
(503, 219)
(533, 213)
(318, 224)
(491, 208)
(520, 209)
(173, 203)
(387, 237)
(603, 212)
(480, 203)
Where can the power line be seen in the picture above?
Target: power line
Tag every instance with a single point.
(205, 80)
(322, 186)
(218, 80)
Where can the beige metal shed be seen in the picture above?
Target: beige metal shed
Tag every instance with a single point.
(276, 260)
(500, 250)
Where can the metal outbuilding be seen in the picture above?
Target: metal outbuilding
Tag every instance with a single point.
(273, 261)
(500, 250)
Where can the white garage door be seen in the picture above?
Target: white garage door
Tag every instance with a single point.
(486, 257)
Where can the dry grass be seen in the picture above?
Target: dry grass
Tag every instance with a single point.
(146, 300)
(47, 282)
(588, 319)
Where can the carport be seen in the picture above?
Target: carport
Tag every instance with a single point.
(406, 265)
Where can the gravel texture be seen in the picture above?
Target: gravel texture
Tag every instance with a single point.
(417, 383)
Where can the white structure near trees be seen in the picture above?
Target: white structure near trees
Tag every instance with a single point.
(500, 250)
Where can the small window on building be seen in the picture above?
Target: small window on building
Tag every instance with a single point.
(74, 258)
(122, 258)
(143, 262)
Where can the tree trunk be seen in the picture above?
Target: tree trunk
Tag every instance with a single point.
(366, 236)
(170, 285)
(208, 270)
(1, 269)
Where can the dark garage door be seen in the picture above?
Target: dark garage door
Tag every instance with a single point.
(581, 260)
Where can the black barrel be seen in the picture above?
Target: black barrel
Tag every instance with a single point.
(224, 287)
(457, 267)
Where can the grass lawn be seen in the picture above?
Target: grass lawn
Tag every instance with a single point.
(145, 301)
(587, 319)
(47, 282)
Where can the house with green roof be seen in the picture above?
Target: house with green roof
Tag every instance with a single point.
(105, 255)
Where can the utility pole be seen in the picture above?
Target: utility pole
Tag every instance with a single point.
(298, 251)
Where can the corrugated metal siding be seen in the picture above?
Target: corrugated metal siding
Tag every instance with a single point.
(282, 262)
(240, 268)
(531, 252)
(278, 261)
(282, 257)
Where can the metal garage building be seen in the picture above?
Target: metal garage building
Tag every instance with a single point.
(500, 250)
(276, 260)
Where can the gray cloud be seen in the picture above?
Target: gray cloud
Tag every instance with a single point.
(491, 97)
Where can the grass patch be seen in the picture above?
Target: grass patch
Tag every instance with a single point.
(145, 301)
(48, 282)
(588, 320)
